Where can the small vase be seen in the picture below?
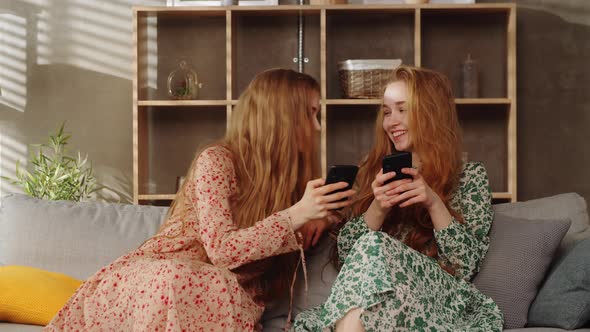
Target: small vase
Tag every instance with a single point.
(470, 78)
(183, 83)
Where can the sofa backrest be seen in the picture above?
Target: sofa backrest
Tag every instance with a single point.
(69, 237)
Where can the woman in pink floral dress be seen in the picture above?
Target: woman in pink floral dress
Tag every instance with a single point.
(223, 249)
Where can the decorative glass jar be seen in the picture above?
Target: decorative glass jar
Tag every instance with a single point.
(183, 83)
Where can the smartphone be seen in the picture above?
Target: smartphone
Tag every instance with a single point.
(395, 162)
(342, 173)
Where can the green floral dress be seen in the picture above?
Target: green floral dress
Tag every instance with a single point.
(400, 289)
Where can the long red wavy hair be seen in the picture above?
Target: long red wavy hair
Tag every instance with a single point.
(436, 137)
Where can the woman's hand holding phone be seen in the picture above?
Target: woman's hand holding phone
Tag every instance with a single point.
(386, 192)
(382, 188)
(419, 192)
(318, 201)
(413, 192)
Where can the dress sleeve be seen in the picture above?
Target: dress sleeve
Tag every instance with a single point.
(464, 245)
(352, 230)
(227, 245)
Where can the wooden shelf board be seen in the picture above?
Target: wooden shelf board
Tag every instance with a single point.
(156, 197)
(501, 195)
(182, 103)
(276, 10)
(181, 11)
(353, 102)
(458, 101)
(295, 9)
(469, 8)
(482, 101)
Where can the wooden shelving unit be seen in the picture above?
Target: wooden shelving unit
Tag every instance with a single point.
(227, 46)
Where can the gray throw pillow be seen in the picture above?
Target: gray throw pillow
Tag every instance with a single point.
(564, 300)
(570, 206)
(520, 253)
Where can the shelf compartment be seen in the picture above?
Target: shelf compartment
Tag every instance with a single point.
(366, 35)
(182, 12)
(350, 133)
(485, 139)
(166, 38)
(261, 41)
(481, 34)
(172, 137)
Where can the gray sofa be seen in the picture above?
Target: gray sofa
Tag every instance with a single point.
(78, 238)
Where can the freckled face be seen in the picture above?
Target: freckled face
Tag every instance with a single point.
(395, 116)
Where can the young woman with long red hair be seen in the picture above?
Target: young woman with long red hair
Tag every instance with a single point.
(411, 246)
(223, 250)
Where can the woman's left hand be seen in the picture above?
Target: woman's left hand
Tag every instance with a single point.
(417, 191)
(313, 230)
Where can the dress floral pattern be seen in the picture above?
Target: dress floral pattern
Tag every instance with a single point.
(400, 289)
(193, 276)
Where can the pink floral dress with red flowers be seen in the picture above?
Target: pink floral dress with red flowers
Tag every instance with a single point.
(186, 278)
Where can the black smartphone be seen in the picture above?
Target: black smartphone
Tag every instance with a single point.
(341, 173)
(395, 162)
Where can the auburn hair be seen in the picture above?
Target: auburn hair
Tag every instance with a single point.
(273, 147)
(435, 137)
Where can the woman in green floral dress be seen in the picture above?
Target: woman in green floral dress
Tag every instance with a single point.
(411, 247)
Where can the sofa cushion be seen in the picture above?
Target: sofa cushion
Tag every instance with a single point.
(12, 327)
(321, 276)
(33, 296)
(69, 237)
(564, 300)
(520, 253)
(563, 206)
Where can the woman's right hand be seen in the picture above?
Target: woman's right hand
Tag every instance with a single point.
(317, 202)
(381, 205)
(381, 191)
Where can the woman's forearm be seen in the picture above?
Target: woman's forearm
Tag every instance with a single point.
(375, 216)
(440, 215)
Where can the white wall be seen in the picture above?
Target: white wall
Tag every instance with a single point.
(68, 60)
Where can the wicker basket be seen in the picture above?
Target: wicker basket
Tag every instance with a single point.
(365, 78)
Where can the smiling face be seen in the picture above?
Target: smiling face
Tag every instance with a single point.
(395, 116)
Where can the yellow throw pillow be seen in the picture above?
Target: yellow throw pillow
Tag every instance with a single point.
(33, 296)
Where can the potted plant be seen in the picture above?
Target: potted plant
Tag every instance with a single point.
(55, 175)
